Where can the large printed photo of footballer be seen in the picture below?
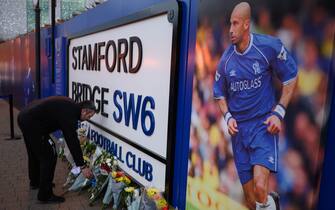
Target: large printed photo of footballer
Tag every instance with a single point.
(258, 105)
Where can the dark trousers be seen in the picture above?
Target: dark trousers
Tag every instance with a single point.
(42, 156)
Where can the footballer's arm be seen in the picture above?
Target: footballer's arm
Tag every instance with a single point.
(287, 92)
(231, 122)
(274, 121)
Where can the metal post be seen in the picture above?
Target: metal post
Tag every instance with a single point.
(11, 119)
(38, 49)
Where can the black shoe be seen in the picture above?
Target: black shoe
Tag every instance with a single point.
(52, 199)
(275, 197)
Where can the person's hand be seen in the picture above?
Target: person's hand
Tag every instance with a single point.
(274, 124)
(232, 126)
(87, 172)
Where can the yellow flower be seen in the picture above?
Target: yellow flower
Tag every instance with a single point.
(161, 203)
(119, 179)
(113, 174)
(86, 158)
(151, 191)
(126, 180)
(129, 189)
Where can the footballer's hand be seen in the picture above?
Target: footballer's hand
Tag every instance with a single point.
(274, 124)
(232, 126)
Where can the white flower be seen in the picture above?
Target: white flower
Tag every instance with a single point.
(81, 130)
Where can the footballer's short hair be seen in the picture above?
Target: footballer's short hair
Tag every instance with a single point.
(88, 104)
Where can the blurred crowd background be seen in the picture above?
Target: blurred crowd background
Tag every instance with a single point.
(307, 30)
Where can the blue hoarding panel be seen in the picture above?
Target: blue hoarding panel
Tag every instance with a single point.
(326, 198)
(186, 66)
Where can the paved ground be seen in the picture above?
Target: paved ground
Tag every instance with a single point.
(14, 183)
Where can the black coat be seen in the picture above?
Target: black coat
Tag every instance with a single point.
(56, 113)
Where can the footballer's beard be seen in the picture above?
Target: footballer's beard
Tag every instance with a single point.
(235, 40)
(238, 41)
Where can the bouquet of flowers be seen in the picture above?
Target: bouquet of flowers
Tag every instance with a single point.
(124, 194)
(82, 135)
(116, 183)
(146, 202)
(102, 166)
(71, 177)
(79, 183)
(75, 177)
(135, 201)
(88, 148)
(130, 198)
(153, 199)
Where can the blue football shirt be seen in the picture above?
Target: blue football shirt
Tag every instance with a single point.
(245, 79)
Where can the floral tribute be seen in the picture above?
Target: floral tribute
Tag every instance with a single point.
(109, 185)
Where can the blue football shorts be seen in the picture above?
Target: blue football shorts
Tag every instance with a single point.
(254, 145)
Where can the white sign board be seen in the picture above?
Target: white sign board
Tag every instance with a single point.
(127, 71)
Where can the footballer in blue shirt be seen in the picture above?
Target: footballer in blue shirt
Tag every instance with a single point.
(244, 90)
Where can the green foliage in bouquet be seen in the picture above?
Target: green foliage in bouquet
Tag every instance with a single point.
(102, 166)
(127, 197)
(88, 148)
(98, 186)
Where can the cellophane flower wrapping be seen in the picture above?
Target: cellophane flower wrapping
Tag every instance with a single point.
(153, 199)
(101, 170)
(116, 184)
(135, 200)
(71, 177)
(79, 183)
